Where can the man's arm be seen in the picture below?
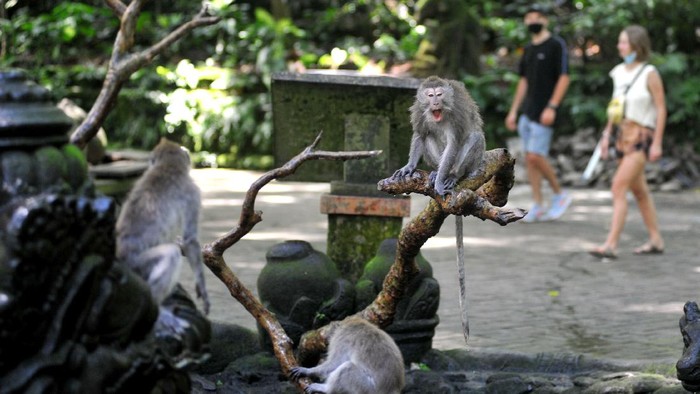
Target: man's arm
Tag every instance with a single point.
(520, 91)
(560, 90)
(550, 112)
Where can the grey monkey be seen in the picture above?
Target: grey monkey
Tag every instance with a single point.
(447, 133)
(159, 222)
(362, 359)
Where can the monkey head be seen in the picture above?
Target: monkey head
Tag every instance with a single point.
(170, 154)
(436, 96)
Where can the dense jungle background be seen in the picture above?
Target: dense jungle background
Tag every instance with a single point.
(211, 89)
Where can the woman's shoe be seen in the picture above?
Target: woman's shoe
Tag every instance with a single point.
(649, 248)
(603, 253)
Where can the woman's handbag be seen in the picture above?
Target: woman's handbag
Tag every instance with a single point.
(616, 107)
(616, 110)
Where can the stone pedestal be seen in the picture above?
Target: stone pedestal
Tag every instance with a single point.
(355, 112)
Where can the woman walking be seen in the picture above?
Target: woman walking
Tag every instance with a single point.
(637, 139)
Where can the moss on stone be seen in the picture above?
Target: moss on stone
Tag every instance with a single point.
(76, 165)
(51, 167)
(353, 240)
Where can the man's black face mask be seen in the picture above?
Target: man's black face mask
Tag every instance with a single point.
(535, 28)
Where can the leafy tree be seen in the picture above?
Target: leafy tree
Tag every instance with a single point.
(213, 88)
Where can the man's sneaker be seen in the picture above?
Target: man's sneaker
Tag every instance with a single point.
(535, 214)
(560, 203)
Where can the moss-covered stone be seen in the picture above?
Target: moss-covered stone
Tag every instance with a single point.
(304, 104)
(303, 288)
(76, 166)
(18, 171)
(51, 167)
(294, 269)
(367, 132)
(353, 240)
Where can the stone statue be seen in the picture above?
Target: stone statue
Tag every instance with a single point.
(303, 288)
(72, 320)
(688, 366)
(416, 313)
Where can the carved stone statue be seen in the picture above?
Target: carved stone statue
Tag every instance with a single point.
(72, 319)
(303, 288)
(688, 366)
(416, 314)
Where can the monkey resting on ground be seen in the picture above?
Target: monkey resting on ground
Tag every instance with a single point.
(448, 135)
(362, 359)
(162, 207)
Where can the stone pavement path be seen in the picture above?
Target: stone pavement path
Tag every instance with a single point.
(532, 287)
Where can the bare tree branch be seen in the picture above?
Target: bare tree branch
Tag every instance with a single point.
(200, 20)
(127, 30)
(117, 6)
(123, 63)
(249, 217)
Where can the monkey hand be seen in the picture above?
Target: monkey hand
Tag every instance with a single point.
(404, 171)
(297, 373)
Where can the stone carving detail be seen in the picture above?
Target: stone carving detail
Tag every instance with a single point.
(72, 319)
(688, 366)
(303, 288)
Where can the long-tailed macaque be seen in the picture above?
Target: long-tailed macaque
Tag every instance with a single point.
(448, 135)
(159, 222)
(362, 359)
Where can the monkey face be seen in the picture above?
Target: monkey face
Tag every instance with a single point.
(435, 98)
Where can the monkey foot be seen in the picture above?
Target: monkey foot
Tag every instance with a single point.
(431, 178)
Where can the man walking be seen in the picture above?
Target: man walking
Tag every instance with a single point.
(544, 79)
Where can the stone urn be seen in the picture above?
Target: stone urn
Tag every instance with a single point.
(303, 288)
(416, 313)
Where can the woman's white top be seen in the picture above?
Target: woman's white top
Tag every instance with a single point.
(639, 104)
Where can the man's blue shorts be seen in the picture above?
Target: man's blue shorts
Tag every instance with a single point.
(536, 137)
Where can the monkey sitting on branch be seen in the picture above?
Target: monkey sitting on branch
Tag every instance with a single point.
(362, 359)
(448, 135)
(159, 222)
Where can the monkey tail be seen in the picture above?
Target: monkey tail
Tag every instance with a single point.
(460, 269)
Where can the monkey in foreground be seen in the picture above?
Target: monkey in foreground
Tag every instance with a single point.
(448, 135)
(362, 359)
(159, 222)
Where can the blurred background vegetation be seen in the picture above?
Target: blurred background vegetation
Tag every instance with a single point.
(211, 89)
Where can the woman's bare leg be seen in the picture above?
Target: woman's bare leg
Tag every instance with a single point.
(645, 202)
(630, 167)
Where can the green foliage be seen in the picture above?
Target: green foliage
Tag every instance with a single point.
(489, 90)
(212, 89)
(59, 36)
(218, 116)
(586, 100)
(682, 86)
